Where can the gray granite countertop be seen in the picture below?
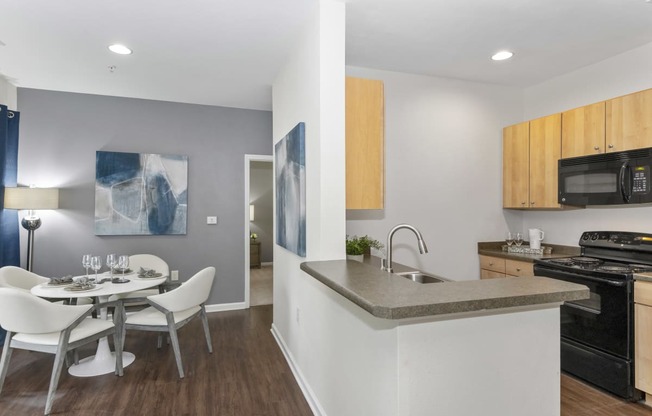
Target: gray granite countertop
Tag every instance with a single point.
(645, 277)
(494, 249)
(389, 296)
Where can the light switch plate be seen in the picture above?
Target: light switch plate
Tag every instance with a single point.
(211, 220)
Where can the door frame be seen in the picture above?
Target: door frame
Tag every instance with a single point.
(247, 228)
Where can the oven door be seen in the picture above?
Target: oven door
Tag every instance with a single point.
(603, 321)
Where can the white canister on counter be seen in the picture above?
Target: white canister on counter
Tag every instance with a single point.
(536, 235)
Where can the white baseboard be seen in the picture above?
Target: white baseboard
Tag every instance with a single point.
(298, 375)
(221, 307)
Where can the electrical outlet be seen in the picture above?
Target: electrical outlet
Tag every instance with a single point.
(174, 275)
(211, 220)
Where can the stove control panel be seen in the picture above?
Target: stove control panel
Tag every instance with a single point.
(617, 240)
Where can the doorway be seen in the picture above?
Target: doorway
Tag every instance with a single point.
(259, 230)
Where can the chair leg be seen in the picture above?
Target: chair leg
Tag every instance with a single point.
(56, 373)
(4, 361)
(175, 342)
(159, 341)
(207, 333)
(117, 341)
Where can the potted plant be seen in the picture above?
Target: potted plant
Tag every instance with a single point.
(357, 247)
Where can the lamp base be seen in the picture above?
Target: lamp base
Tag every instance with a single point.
(30, 224)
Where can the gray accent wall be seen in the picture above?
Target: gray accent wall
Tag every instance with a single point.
(59, 135)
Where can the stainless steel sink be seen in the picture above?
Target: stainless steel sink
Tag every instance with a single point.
(420, 277)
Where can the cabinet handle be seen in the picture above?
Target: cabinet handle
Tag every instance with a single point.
(522, 203)
(518, 269)
(532, 203)
(596, 147)
(491, 264)
(611, 146)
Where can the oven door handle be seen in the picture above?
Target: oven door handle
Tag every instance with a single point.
(575, 278)
(582, 308)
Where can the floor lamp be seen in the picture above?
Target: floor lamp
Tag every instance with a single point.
(31, 199)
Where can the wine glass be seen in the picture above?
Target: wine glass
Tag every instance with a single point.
(96, 264)
(518, 239)
(86, 262)
(123, 263)
(111, 262)
(509, 238)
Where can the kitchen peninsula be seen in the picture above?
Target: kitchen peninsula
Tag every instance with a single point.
(451, 348)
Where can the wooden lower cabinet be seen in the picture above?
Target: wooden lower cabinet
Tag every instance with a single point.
(643, 336)
(493, 267)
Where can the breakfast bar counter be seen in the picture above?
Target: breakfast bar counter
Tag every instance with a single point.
(390, 296)
(449, 348)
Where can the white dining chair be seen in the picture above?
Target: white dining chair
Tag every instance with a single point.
(171, 310)
(146, 261)
(18, 278)
(35, 324)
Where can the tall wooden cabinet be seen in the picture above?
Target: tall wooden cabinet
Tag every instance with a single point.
(628, 121)
(365, 144)
(583, 131)
(516, 166)
(545, 151)
(530, 154)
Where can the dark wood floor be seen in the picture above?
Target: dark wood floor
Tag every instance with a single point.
(246, 375)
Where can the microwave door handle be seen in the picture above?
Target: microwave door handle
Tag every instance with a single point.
(625, 187)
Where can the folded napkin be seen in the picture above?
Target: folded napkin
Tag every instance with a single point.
(148, 273)
(58, 281)
(79, 286)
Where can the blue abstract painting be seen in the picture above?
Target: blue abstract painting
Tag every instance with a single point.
(140, 193)
(290, 172)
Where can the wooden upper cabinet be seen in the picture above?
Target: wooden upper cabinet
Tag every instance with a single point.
(629, 121)
(545, 151)
(583, 131)
(516, 165)
(365, 144)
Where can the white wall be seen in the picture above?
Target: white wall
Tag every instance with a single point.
(443, 165)
(310, 88)
(8, 94)
(619, 75)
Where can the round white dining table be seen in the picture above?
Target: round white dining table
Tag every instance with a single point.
(103, 362)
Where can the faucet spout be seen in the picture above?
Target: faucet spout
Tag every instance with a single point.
(423, 248)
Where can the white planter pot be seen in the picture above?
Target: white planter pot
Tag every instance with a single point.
(356, 257)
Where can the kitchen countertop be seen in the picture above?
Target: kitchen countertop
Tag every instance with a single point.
(645, 277)
(494, 249)
(389, 296)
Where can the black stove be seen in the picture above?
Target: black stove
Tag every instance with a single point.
(597, 334)
(594, 266)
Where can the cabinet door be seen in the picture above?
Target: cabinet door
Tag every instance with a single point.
(643, 347)
(365, 144)
(545, 151)
(516, 165)
(519, 268)
(496, 264)
(490, 274)
(629, 125)
(583, 131)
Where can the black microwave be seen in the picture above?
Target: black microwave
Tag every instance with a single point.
(606, 178)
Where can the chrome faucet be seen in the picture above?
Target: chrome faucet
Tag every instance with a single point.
(386, 264)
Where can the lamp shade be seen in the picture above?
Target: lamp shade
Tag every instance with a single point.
(31, 198)
(252, 212)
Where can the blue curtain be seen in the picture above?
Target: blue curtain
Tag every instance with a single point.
(9, 237)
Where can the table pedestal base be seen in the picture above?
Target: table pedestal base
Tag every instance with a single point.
(103, 362)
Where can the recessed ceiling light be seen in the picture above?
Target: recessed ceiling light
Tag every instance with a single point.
(120, 49)
(502, 55)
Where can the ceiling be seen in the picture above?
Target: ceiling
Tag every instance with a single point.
(227, 53)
